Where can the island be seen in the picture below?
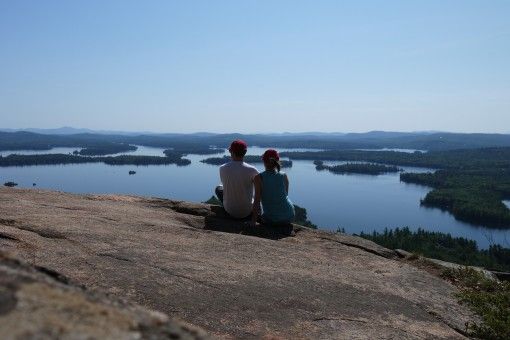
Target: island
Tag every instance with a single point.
(247, 159)
(470, 195)
(193, 150)
(357, 168)
(470, 183)
(106, 149)
(54, 159)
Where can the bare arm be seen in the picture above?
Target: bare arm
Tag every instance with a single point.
(257, 183)
(286, 181)
(221, 174)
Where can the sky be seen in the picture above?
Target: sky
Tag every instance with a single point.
(256, 66)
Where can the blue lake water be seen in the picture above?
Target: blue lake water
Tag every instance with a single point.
(394, 149)
(354, 202)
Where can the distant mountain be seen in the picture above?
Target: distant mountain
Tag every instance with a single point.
(66, 130)
(58, 131)
(72, 137)
(382, 134)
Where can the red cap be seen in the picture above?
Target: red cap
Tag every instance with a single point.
(270, 153)
(238, 146)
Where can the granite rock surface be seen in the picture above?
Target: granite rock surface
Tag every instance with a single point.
(187, 261)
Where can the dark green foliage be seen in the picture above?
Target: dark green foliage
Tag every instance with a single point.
(302, 218)
(443, 247)
(213, 200)
(453, 159)
(247, 159)
(471, 185)
(195, 150)
(490, 299)
(144, 160)
(370, 140)
(107, 149)
(470, 195)
(49, 159)
(357, 168)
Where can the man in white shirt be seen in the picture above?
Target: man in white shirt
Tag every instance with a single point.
(237, 176)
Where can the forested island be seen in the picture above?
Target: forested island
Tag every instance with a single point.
(356, 168)
(443, 246)
(470, 195)
(105, 149)
(471, 183)
(451, 159)
(53, 159)
(248, 159)
(195, 150)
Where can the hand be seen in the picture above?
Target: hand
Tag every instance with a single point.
(256, 209)
(254, 217)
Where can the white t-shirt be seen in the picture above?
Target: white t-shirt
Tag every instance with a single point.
(237, 179)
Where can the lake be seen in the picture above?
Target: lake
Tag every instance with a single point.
(353, 202)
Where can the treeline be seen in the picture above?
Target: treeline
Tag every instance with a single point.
(301, 217)
(369, 140)
(470, 195)
(57, 159)
(471, 184)
(452, 159)
(194, 150)
(357, 168)
(247, 159)
(106, 149)
(443, 246)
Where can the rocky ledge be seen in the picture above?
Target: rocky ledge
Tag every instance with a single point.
(87, 263)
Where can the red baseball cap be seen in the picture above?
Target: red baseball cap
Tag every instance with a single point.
(270, 153)
(238, 146)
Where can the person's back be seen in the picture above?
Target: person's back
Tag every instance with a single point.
(236, 191)
(276, 205)
(237, 178)
(272, 189)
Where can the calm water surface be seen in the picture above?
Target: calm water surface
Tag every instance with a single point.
(394, 149)
(355, 202)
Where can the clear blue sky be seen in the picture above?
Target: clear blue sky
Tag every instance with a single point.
(256, 66)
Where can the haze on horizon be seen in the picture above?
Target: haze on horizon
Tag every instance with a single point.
(256, 66)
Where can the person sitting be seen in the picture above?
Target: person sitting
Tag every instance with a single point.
(236, 191)
(272, 189)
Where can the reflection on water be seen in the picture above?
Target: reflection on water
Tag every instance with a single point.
(355, 202)
(395, 149)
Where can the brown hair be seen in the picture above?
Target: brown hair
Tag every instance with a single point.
(239, 153)
(274, 164)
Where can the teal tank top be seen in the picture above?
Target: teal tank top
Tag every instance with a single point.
(276, 205)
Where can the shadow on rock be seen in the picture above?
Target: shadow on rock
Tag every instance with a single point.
(225, 224)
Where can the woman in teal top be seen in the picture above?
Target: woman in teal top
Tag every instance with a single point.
(271, 189)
